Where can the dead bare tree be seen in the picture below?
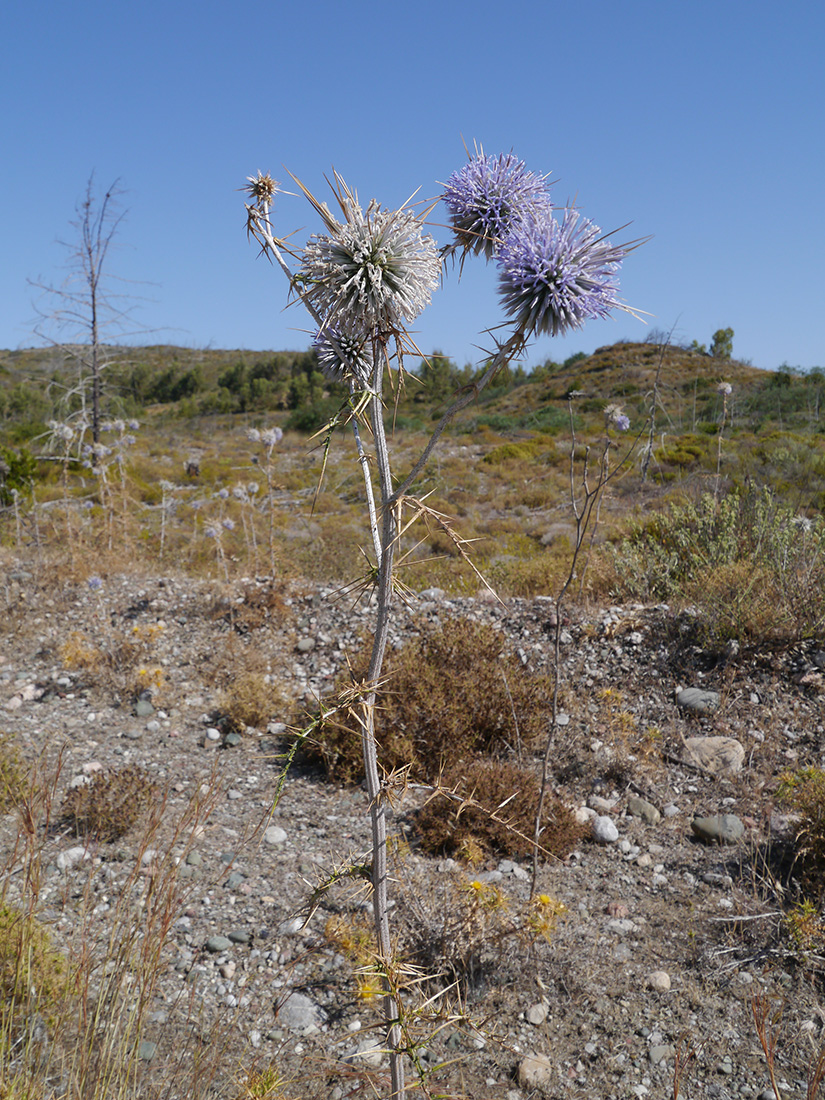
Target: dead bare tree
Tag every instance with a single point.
(84, 316)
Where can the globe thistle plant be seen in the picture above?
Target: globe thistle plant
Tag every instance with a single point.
(375, 272)
(555, 275)
(363, 279)
(488, 196)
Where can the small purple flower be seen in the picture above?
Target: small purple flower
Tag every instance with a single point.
(253, 435)
(488, 196)
(223, 494)
(211, 532)
(228, 524)
(133, 424)
(614, 417)
(95, 583)
(554, 276)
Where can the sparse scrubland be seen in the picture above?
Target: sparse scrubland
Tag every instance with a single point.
(184, 622)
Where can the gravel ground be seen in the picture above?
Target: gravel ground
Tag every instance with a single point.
(664, 940)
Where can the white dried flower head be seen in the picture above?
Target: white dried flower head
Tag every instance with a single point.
(61, 431)
(252, 488)
(239, 493)
(724, 388)
(376, 272)
(253, 435)
(344, 354)
(270, 437)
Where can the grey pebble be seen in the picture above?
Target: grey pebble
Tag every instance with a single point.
(639, 807)
(718, 829)
(697, 700)
(216, 944)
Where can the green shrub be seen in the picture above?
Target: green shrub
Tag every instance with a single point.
(448, 696)
(803, 792)
(111, 804)
(34, 975)
(13, 781)
(752, 567)
(17, 471)
(526, 451)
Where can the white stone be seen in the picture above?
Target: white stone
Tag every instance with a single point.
(659, 980)
(534, 1071)
(275, 835)
(604, 830)
(66, 860)
(718, 755)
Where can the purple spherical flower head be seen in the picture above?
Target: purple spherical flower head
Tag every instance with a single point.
(488, 196)
(554, 276)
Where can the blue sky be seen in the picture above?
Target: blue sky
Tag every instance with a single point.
(700, 123)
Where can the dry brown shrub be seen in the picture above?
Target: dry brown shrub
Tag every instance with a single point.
(250, 700)
(490, 806)
(450, 695)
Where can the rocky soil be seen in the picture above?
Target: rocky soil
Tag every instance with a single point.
(669, 929)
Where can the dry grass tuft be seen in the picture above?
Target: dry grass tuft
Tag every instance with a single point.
(250, 700)
(111, 804)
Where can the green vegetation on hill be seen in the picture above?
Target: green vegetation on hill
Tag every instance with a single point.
(195, 382)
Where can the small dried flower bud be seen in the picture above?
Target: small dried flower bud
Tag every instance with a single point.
(261, 188)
